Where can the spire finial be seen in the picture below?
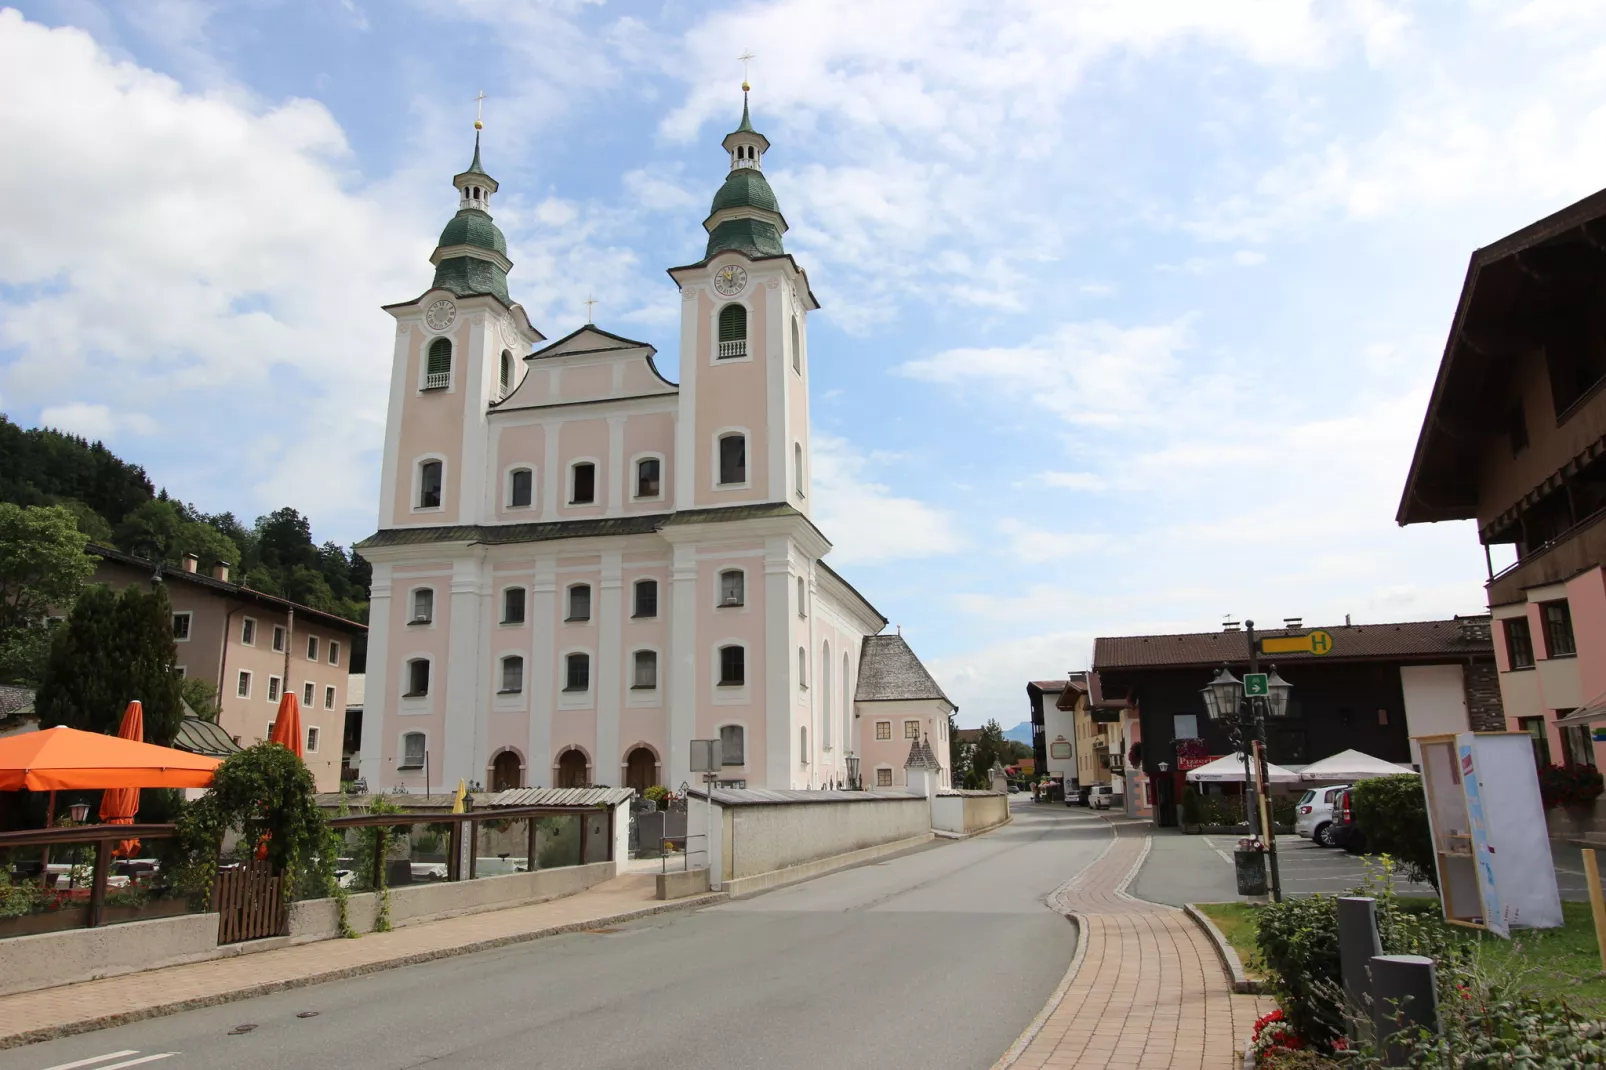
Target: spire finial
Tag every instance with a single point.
(479, 112)
(591, 303)
(745, 57)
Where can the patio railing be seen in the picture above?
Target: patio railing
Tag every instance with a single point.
(34, 883)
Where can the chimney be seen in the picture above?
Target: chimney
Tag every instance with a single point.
(1230, 626)
(190, 561)
(220, 571)
(1293, 622)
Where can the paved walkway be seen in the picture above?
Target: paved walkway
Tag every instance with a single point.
(32, 1016)
(1146, 991)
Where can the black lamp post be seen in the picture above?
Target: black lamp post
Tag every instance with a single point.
(1225, 700)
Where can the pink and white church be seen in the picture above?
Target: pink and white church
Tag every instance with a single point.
(581, 566)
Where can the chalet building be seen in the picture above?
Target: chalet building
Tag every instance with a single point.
(252, 647)
(1515, 439)
(1380, 685)
(1042, 697)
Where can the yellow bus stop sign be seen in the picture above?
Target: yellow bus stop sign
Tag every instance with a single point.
(1318, 642)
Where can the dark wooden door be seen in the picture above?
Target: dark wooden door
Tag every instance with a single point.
(641, 770)
(572, 770)
(505, 772)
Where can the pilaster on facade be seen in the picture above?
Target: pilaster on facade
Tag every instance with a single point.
(378, 683)
(466, 706)
(543, 654)
(683, 658)
(611, 669)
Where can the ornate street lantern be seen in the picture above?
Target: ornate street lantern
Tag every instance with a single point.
(1277, 692)
(1223, 694)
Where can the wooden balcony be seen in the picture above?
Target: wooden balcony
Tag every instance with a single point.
(1580, 547)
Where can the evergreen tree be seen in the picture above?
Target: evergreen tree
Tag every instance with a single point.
(114, 647)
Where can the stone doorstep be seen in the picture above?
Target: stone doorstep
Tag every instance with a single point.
(158, 1010)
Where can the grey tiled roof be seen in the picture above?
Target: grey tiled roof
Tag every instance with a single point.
(1411, 640)
(889, 671)
(556, 797)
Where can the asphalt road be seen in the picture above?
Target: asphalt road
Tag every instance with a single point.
(935, 959)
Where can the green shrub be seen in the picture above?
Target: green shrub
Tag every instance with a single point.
(657, 793)
(1480, 1029)
(1192, 811)
(1569, 785)
(1392, 813)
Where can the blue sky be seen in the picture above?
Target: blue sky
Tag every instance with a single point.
(1130, 309)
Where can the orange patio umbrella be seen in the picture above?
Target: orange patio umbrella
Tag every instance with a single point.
(65, 759)
(287, 725)
(118, 806)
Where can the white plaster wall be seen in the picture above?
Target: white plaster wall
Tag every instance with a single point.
(771, 837)
(1056, 723)
(1435, 702)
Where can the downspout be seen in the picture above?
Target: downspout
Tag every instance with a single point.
(223, 658)
(289, 641)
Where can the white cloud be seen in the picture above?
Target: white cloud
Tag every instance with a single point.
(865, 520)
(1034, 546)
(95, 421)
(1089, 481)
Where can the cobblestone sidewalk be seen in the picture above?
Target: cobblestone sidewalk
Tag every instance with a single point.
(33, 1016)
(1146, 991)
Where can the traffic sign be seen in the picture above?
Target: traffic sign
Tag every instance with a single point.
(1255, 684)
(1318, 642)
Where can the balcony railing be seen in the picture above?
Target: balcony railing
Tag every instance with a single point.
(737, 348)
(437, 380)
(1569, 552)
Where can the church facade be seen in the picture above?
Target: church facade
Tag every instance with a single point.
(581, 567)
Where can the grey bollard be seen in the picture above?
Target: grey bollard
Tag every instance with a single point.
(1405, 997)
(1358, 944)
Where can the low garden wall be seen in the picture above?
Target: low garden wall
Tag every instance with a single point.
(968, 812)
(67, 955)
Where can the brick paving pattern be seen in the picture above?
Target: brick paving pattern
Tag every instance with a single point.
(1150, 993)
(32, 1016)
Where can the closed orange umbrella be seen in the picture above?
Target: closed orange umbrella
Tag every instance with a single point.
(118, 806)
(287, 726)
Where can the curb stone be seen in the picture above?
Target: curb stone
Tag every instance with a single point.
(89, 1025)
(1241, 982)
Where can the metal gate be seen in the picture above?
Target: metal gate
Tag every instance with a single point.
(249, 900)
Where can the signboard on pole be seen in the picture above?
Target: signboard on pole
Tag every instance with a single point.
(1318, 642)
(1255, 685)
(705, 756)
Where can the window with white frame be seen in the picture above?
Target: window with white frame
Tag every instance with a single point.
(797, 348)
(512, 675)
(579, 602)
(429, 484)
(797, 466)
(645, 601)
(334, 652)
(732, 587)
(883, 729)
(417, 678)
(582, 483)
(248, 631)
(649, 477)
(423, 606)
(883, 777)
(732, 665)
(732, 332)
(273, 689)
(312, 739)
(242, 684)
(312, 648)
(309, 696)
(520, 488)
(506, 376)
(438, 367)
(412, 756)
(803, 745)
(513, 605)
(577, 672)
(732, 745)
(329, 697)
(802, 669)
(180, 671)
(733, 458)
(278, 639)
(802, 598)
(911, 730)
(645, 674)
(181, 627)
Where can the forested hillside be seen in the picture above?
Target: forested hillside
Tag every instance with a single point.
(116, 504)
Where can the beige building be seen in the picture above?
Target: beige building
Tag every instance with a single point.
(251, 646)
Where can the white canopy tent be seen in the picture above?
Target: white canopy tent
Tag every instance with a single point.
(1351, 765)
(1230, 770)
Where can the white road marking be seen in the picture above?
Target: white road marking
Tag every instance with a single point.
(99, 1059)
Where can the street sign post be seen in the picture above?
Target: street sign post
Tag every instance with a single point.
(1318, 642)
(1256, 685)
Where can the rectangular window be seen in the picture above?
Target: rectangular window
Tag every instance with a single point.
(423, 605)
(180, 671)
(731, 588)
(732, 666)
(1519, 643)
(242, 687)
(911, 730)
(883, 729)
(646, 599)
(429, 485)
(802, 599)
(312, 739)
(1575, 744)
(802, 669)
(417, 678)
(584, 486)
(1535, 727)
(1558, 618)
(649, 477)
(329, 697)
(579, 602)
(413, 751)
(646, 670)
(803, 745)
(278, 639)
(1185, 726)
(273, 689)
(733, 459)
(334, 652)
(883, 778)
(577, 672)
(512, 675)
(513, 605)
(312, 648)
(309, 696)
(181, 627)
(732, 745)
(248, 632)
(521, 489)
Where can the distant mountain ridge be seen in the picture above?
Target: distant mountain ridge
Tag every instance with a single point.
(1021, 733)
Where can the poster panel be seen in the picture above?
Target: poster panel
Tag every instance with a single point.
(1494, 918)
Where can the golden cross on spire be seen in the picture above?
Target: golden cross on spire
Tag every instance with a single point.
(479, 111)
(591, 303)
(745, 57)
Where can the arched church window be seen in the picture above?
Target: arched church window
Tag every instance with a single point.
(438, 368)
(733, 331)
(797, 348)
(733, 459)
(797, 465)
(507, 370)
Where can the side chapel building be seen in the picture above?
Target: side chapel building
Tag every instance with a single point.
(580, 566)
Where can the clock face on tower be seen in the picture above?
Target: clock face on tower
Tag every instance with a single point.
(440, 314)
(730, 279)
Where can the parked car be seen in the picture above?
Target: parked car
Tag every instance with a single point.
(1102, 797)
(1343, 831)
(1313, 814)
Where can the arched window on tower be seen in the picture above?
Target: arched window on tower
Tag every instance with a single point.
(438, 369)
(733, 331)
(797, 466)
(797, 348)
(507, 371)
(732, 459)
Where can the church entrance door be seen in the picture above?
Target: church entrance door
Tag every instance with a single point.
(641, 768)
(573, 771)
(505, 772)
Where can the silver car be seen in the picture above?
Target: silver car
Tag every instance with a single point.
(1313, 814)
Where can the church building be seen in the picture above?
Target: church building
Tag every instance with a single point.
(581, 566)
